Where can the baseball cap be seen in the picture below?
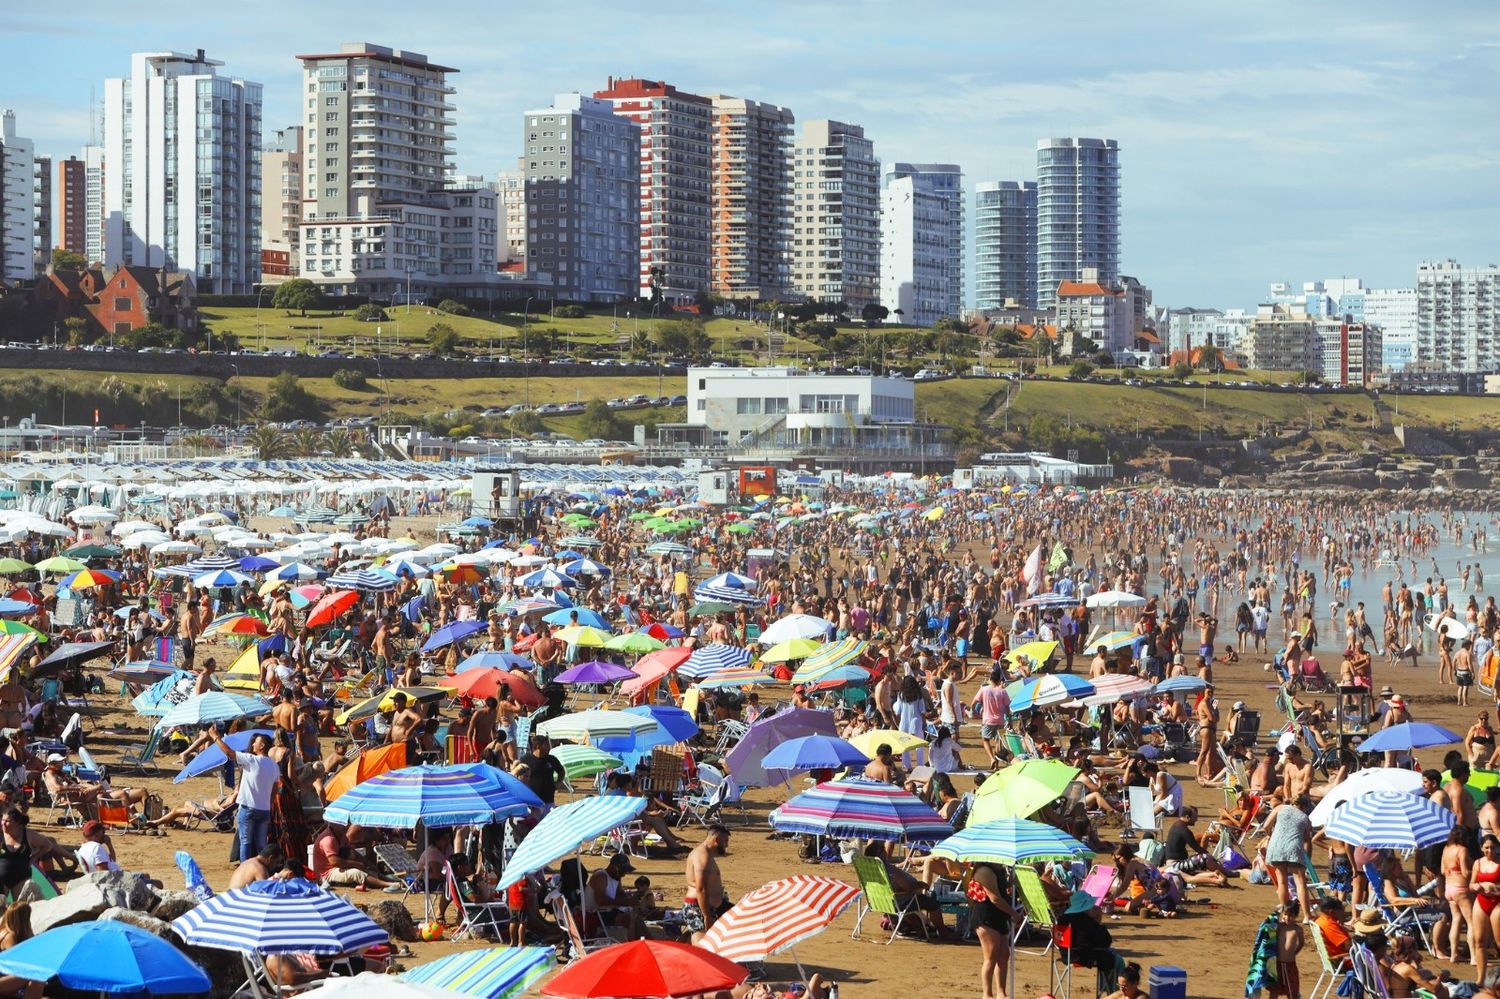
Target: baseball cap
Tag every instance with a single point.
(1238, 706)
(91, 828)
(56, 758)
(621, 862)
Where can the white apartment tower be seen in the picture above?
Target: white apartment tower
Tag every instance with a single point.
(183, 188)
(17, 203)
(281, 200)
(946, 182)
(1394, 310)
(93, 203)
(512, 188)
(582, 172)
(676, 183)
(1004, 244)
(916, 251)
(1457, 316)
(835, 215)
(1077, 213)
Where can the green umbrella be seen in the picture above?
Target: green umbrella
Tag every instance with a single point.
(711, 607)
(11, 566)
(1021, 789)
(8, 627)
(641, 515)
(580, 762)
(740, 527)
(637, 642)
(60, 565)
(89, 551)
(1479, 782)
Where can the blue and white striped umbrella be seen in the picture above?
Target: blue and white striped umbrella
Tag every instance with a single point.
(294, 572)
(725, 595)
(545, 579)
(707, 660)
(219, 579)
(857, 807)
(490, 973)
(209, 563)
(438, 796)
(565, 830)
(278, 917)
(1048, 689)
(586, 567)
(668, 548)
(213, 706)
(1390, 820)
(1181, 685)
(1010, 841)
(366, 580)
(731, 579)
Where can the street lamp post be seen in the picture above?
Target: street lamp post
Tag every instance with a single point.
(258, 328)
(525, 349)
(236, 369)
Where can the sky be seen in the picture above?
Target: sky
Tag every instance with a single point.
(1259, 141)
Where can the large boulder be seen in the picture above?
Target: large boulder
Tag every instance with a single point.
(173, 902)
(125, 889)
(81, 902)
(394, 918)
(141, 921)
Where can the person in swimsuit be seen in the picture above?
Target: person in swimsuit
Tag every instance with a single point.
(1480, 740)
(991, 916)
(1484, 919)
(1456, 872)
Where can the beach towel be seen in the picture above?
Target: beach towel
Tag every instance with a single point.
(193, 875)
(1262, 973)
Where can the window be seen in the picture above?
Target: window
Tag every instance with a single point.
(123, 304)
(775, 405)
(747, 407)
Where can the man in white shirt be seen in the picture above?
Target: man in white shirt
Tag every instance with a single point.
(258, 776)
(97, 852)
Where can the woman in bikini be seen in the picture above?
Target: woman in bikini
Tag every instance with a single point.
(1484, 918)
(1456, 873)
(1480, 740)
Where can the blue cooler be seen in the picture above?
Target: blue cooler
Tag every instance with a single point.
(1166, 982)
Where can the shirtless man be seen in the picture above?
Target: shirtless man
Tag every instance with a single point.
(1464, 812)
(482, 724)
(285, 715)
(265, 864)
(545, 652)
(883, 767)
(405, 722)
(1208, 628)
(1296, 775)
(205, 679)
(704, 900)
(1203, 714)
(380, 645)
(1099, 665)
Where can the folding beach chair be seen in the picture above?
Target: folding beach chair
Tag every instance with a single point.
(1330, 972)
(1100, 879)
(476, 919)
(1036, 909)
(578, 944)
(1247, 727)
(665, 776)
(1369, 980)
(879, 896)
(707, 802)
(730, 732)
(1416, 914)
(141, 758)
(523, 736)
(165, 650)
(400, 863)
(1141, 811)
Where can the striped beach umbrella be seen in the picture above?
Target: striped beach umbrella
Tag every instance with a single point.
(545, 579)
(668, 548)
(1113, 641)
(1362, 783)
(490, 973)
(219, 579)
(211, 563)
(364, 580)
(1043, 691)
(595, 723)
(279, 917)
(1390, 820)
(823, 662)
(87, 579)
(1112, 687)
(778, 915)
(464, 794)
(714, 593)
(859, 808)
(237, 625)
(565, 829)
(710, 659)
(212, 706)
(1010, 841)
(741, 676)
(582, 762)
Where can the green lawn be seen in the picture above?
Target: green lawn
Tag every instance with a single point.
(1439, 411)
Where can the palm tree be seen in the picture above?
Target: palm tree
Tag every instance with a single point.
(269, 441)
(306, 443)
(339, 443)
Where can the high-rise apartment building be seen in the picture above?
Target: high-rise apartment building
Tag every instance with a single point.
(17, 203)
(69, 221)
(281, 204)
(676, 182)
(512, 188)
(93, 203)
(752, 199)
(183, 188)
(835, 247)
(1394, 311)
(1457, 316)
(946, 181)
(1004, 243)
(582, 171)
(1077, 212)
(916, 252)
(41, 212)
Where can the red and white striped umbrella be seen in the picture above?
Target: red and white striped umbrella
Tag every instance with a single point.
(778, 915)
(1113, 687)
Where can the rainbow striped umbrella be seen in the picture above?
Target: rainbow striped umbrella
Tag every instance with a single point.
(741, 676)
(1049, 689)
(859, 808)
(1010, 841)
(820, 664)
(491, 973)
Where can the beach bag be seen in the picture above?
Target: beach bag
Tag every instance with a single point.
(1232, 860)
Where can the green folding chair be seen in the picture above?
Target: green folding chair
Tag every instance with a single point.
(1036, 906)
(880, 896)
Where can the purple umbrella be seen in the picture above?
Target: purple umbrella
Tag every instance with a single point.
(744, 760)
(597, 671)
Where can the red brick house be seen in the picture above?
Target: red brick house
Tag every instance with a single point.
(121, 301)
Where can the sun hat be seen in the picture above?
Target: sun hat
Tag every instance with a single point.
(1079, 901)
(1368, 921)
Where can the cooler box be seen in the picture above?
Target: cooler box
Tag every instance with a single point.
(1166, 982)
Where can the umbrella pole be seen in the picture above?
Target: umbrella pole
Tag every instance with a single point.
(426, 888)
(798, 962)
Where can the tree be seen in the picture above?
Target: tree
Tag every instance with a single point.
(453, 307)
(527, 422)
(286, 399)
(819, 331)
(298, 294)
(874, 314)
(1181, 370)
(352, 379)
(269, 442)
(369, 313)
(1104, 359)
(443, 339)
(1080, 369)
(67, 260)
(78, 331)
(1210, 358)
(306, 443)
(339, 443)
(640, 345)
(681, 336)
(600, 421)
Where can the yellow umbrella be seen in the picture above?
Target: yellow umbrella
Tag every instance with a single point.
(385, 701)
(1037, 652)
(245, 673)
(934, 513)
(900, 742)
(270, 586)
(792, 648)
(581, 635)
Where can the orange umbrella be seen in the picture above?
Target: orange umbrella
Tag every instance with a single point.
(331, 606)
(461, 573)
(367, 764)
(671, 657)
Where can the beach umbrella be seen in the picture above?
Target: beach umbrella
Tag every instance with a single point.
(564, 616)
(794, 626)
(636, 642)
(212, 706)
(595, 723)
(59, 564)
(732, 595)
(279, 917)
(16, 608)
(528, 605)
(125, 528)
(1390, 820)
(731, 579)
(545, 579)
(368, 763)
(667, 548)
(645, 676)
(744, 676)
(1021, 789)
(364, 580)
(71, 654)
(487, 973)
(582, 762)
(900, 742)
(1036, 653)
(709, 608)
(489, 659)
(451, 633)
(671, 658)
(294, 572)
(586, 567)
(464, 794)
(461, 573)
(708, 659)
(790, 649)
(1112, 641)
(1405, 736)
(645, 969)
(476, 683)
(565, 829)
(1046, 690)
(829, 658)
(1115, 598)
(371, 983)
(142, 671)
(1112, 687)
(166, 693)
(582, 636)
(13, 566)
(1181, 685)
(221, 579)
(92, 551)
(330, 606)
(386, 701)
(673, 725)
(175, 548)
(9, 627)
(108, 957)
(596, 671)
(1010, 842)
(813, 752)
(153, 539)
(859, 808)
(93, 514)
(743, 761)
(212, 757)
(1363, 782)
(660, 630)
(777, 916)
